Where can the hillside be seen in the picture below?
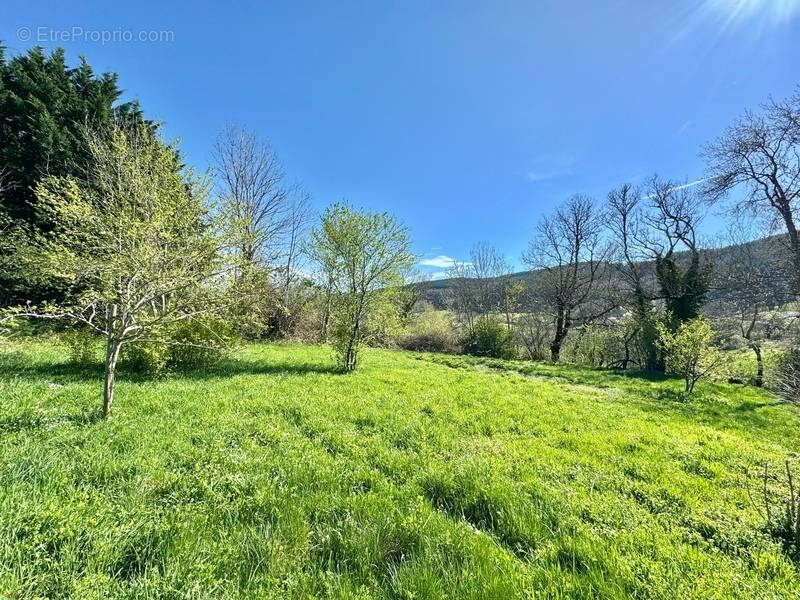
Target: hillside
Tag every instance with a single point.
(436, 291)
(418, 476)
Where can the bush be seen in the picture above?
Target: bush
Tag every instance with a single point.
(147, 358)
(81, 345)
(786, 380)
(689, 352)
(492, 339)
(199, 343)
(192, 344)
(430, 332)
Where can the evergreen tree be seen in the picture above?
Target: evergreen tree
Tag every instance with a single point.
(45, 108)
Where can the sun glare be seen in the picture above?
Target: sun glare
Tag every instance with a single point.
(762, 11)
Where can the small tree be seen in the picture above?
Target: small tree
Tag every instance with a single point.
(134, 239)
(689, 351)
(360, 254)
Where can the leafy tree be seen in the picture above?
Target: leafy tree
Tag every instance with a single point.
(490, 338)
(44, 107)
(360, 254)
(133, 239)
(689, 351)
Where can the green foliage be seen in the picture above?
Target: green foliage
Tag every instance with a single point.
(200, 343)
(689, 351)
(490, 338)
(360, 254)
(684, 288)
(82, 346)
(133, 241)
(430, 331)
(386, 319)
(417, 476)
(145, 357)
(188, 345)
(44, 106)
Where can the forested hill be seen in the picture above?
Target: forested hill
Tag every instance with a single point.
(762, 252)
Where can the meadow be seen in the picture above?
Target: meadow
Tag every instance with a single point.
(417, 476)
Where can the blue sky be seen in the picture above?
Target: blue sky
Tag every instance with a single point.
(466, 119)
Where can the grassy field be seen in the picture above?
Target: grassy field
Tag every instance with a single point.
(418, 476)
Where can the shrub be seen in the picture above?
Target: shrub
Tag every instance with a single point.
(688, 350)
(147, 358)
(81, 345)
(199, 343)
(786, 380)
(191, 344)
(430, 332)
(490, 338)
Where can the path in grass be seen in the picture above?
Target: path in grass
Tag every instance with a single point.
(416, 477)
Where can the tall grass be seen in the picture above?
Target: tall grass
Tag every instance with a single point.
(275, 476)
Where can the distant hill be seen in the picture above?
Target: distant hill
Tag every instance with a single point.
(436, 292)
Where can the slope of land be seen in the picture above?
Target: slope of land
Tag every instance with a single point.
(765, 249)
(418, 476)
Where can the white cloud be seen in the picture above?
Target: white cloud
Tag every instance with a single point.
(440, 262)
(682, 186)
(683, 128)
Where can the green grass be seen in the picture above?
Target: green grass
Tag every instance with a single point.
(418, 476)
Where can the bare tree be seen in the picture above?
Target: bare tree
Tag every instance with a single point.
(754, 286)
(657, 255)
(631, 253)
(758, 158)
(297, 226)
(477, 285)
(570, 250)
(676, 213)
(461, 292)
(267, 220)
(255, 198)
(487, 266)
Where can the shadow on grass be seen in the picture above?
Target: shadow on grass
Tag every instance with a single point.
(15, 366)
(31, 421)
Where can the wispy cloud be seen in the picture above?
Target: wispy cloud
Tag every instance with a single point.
(551, 167)
(440, 262)
(684, 127)
(683, 186)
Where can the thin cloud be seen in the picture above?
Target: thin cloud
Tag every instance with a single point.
(551, 167)
(440, 262)
(684, 127)
(682, 186)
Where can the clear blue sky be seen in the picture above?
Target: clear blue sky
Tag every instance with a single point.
(466, 119)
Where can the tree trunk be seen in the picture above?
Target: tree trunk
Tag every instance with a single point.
(759, 380)
(562, 327)
(113, 347)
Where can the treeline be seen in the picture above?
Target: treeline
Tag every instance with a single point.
(613, 281)
(107, 234)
